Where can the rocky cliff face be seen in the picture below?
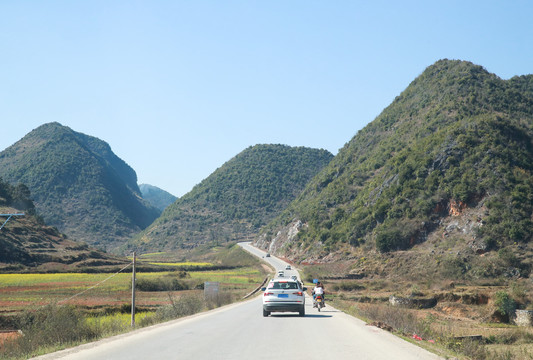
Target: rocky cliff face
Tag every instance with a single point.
(282, 239)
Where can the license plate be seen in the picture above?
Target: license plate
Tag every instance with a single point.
(283, 295)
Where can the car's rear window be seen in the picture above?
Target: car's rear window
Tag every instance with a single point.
(283, 285)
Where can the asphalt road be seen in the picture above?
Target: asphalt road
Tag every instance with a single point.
(239, 331)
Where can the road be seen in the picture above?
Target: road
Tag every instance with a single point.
(239, 332)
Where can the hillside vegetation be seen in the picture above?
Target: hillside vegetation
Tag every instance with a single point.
(27, 244)
(455, 148)
(237, 199)
(78, 185)
(156, 197)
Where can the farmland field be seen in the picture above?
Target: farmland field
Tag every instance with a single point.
(23, 291)
(90, 306)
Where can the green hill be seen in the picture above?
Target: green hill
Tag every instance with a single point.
(156, 197)
(448, 164)
(27, 244)
(78, 185)
(237, 199)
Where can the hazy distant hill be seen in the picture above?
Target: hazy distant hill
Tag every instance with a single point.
(157, 197)
(27, 243)
(78, 185)
(237, 199)
(449, 162)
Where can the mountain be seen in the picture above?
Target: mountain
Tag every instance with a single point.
(156, 197)
(26, 243)
(237, 199)
(78, 185)
(444, 172)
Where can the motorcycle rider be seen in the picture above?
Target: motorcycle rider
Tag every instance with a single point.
(318, 290)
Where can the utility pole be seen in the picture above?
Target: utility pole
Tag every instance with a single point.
(133, 293)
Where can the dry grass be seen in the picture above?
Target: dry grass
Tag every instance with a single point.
(462, 310)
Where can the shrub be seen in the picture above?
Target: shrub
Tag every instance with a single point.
(393, 236)
(220, 299)
(402, 320)
(504, 303)
(453, 267)
(186, 304)
(51, 325)
(160, 284)
(471, 348)
(507, 256)
(391, 239)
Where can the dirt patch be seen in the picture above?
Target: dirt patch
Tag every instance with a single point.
(456, 311)
(8, 336)
(266, 268)
(381, 325)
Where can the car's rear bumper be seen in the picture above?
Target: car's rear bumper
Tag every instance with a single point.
(283, 307)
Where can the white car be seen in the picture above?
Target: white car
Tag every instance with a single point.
(288, 267)
(283, 295)
(281, 273)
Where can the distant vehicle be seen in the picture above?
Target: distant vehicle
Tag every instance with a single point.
(283, 296)
(294, 277)
(268, 255)
(281, 273)
(288, 267)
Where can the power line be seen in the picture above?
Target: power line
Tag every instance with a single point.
(9, 217)
(92, 287)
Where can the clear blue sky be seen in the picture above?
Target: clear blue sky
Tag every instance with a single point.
(177, 88)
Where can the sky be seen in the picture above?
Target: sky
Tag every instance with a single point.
(177, 88)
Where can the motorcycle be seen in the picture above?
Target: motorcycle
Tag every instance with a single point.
(319, 302)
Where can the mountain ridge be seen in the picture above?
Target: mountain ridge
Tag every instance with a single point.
(457, 137)
(157, 197)
(78, 184)
(237, 198)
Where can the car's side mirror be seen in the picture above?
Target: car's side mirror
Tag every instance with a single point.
(304, 289)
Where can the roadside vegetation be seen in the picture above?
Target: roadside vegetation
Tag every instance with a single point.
(455, 319)
(34, 303)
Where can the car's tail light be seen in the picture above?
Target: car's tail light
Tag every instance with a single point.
(299, 293)
(268, 293)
